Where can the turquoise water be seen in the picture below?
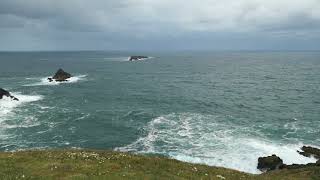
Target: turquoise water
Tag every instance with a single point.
(218, 108)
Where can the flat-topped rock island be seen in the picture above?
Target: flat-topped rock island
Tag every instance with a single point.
(137, 58)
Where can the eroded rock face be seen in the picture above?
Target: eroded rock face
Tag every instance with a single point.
(60, 75)
(4, 93)
(7, 94)
(136, 58)
(310, 151)
(269, 163)
(298, 166)
(274, 162)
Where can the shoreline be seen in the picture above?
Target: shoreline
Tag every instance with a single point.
(86, 163)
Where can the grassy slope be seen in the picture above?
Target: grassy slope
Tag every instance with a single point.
(80, 164)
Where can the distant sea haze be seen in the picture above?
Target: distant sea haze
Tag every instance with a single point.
(217, 108)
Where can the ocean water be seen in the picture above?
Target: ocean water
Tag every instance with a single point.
(217, 108)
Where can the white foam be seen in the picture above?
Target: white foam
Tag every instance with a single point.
(204, 139)
(10, 117)
(28, 121)
(142, 59)
(7, 105)
(45, 82)
(84, 116)
(125, 59)
(121, 59)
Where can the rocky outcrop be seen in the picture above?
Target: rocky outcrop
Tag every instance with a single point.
(4, 93)
(60, 76)
(137, 58)
(310, 151)
(7, 94)
(269, 163)
(273, 162)
(298, 166)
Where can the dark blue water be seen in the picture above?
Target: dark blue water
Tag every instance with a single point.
(219, 108)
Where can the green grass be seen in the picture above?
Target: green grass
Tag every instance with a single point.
(88, 164)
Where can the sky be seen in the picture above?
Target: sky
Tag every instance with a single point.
(159, 25)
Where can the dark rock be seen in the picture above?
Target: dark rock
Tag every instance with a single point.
(60, 75)
(7, 94)
(269, 163)
(298, 166)
(14, 98)
(274, 162)
(310, 151)
(136, 58)
(4, 93)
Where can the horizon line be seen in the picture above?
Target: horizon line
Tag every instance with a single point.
(178, 50)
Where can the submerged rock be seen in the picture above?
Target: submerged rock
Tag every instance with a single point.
(309, 151)
(136, 58)
(7, 94)
(60, 75)
(269, 163)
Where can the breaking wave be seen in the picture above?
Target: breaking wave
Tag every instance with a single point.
(207, 140)
(44, 81)
(116, 59)
(7, 105)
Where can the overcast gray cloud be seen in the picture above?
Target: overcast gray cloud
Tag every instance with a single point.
(140, 24)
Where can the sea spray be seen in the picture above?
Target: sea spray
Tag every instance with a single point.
(204, 139)
(7, 105)
(45, 82)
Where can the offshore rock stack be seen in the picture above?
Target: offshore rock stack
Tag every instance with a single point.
(60, 76)
(137, 58)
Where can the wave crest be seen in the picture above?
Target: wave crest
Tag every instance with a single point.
(7, 105)
(207, 140)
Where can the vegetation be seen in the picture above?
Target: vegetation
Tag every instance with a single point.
(88, 164)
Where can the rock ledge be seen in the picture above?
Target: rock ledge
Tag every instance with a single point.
(7, 94)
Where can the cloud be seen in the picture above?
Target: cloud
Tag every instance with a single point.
(209, 15)
(142, 19)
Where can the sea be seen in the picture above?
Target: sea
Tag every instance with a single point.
(219, 108)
